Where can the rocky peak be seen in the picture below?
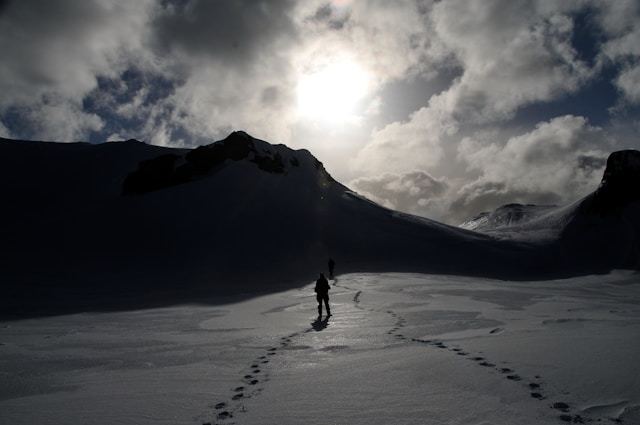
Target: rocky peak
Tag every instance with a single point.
(621, 181)
(623, 167)
(170, 169)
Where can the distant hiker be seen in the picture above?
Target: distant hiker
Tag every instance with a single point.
(322, 294)
(332, 265)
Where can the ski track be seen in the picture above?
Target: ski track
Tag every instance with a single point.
(257, 374)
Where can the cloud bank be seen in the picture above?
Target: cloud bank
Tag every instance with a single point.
(521, 99)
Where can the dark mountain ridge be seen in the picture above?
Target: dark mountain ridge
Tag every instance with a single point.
(126, 224)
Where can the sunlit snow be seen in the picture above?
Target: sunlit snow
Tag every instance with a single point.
(400, 348)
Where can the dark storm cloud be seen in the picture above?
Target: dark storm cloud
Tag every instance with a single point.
(227, 30)
(332, 16)
(203, 66)
(235, 60)
(62, 44)
(53, 52)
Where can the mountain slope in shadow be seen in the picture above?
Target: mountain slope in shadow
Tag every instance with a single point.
(124, 225)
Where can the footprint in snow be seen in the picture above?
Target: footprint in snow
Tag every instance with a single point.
(356, 298)
(576, 419)
(224, 415)
(560, 405)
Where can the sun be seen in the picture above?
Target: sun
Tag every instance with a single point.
(333, 92)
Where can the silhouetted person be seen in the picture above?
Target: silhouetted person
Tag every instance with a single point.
(332, 265)
(322, 294)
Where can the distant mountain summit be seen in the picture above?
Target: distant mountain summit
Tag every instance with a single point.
(601, 230)
(506, 216)
(173, 169)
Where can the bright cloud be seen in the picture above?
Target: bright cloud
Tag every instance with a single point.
(332, 92)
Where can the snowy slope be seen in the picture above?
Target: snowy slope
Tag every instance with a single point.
(233, 217)
(400, 349)
(531, 223)
(506, 216)
(199, 238)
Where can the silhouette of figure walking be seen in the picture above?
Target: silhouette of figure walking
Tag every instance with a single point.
(322, 294)
(332, 265)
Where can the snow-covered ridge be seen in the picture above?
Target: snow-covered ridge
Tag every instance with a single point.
(172, 169)
(505, 216)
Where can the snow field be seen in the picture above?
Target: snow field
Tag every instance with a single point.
(400, 348)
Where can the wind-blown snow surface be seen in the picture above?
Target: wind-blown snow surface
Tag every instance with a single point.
(400, 349)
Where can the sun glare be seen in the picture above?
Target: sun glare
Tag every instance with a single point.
(333, 92)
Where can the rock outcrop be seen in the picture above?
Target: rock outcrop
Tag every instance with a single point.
(620, 183)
